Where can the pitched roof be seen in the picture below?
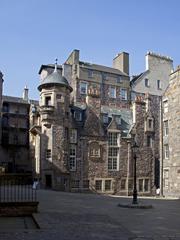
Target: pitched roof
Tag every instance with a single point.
(136, 77)
(102, 68)
(14, 99)
(49, 66)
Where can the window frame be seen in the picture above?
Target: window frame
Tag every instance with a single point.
(73, 135)
(159, 84)
(48, 100)
(124, 96)
(112, 89)
(166, 127)
(146, 82)
(165, 106)
(166, 151)
(72, 157)
(83, 92)
(48, 155)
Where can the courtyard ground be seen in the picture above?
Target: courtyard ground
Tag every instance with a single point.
(70, 216)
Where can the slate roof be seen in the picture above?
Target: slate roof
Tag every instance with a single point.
(49, 66)
(54, 79)
(126, 118)
(14, 99)
(135, 78)
(102, 68)
(19, 100)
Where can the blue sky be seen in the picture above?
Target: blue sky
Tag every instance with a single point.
(38, 31)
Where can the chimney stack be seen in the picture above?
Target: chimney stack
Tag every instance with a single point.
(25, 94)
(121, 62)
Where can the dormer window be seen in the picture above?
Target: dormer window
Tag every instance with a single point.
(105, 118)
(78, 115)
(90, 73)
(119, 79)
(118, 119)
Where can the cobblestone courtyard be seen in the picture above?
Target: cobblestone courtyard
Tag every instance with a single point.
(69, 216)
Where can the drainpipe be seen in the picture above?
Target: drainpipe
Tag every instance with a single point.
(161, 148)
(128, 162)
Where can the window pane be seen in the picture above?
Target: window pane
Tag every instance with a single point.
(146, 82)
(83, 88)
(123, 184)
(166, 129)
(112, 139)
(140, 185)
(47, 101)
(146, 185)
(98, 185)
(73, 135)
(123, 94)
(107, 185)
(112, 92)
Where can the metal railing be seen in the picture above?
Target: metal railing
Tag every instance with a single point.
(17, 188)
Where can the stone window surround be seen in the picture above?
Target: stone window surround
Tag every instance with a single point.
(123, 94)
(113, 161)
(72, 157)
(165, 105)
(123, 184)
(149, 141)
(166, 151)
(165, 127)
(166, 178)
(48, 155)
(149, 124)
(73, 135)
(146, 82)
(103, 184)
(159, 87)
(112, 91)
(143, 185)
(83, 86)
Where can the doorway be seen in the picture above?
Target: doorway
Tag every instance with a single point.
(48, 181)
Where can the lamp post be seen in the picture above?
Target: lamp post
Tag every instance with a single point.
(135, 147)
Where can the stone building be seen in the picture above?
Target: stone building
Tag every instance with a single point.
(150, 85)
(14, 147)
(84, 125)
(171, 137)
(82, 131)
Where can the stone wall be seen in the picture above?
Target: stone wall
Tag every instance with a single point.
(171, 140)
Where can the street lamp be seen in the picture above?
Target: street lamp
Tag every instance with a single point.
(134, 148)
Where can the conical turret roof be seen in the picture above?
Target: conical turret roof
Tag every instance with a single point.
(54, 79)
